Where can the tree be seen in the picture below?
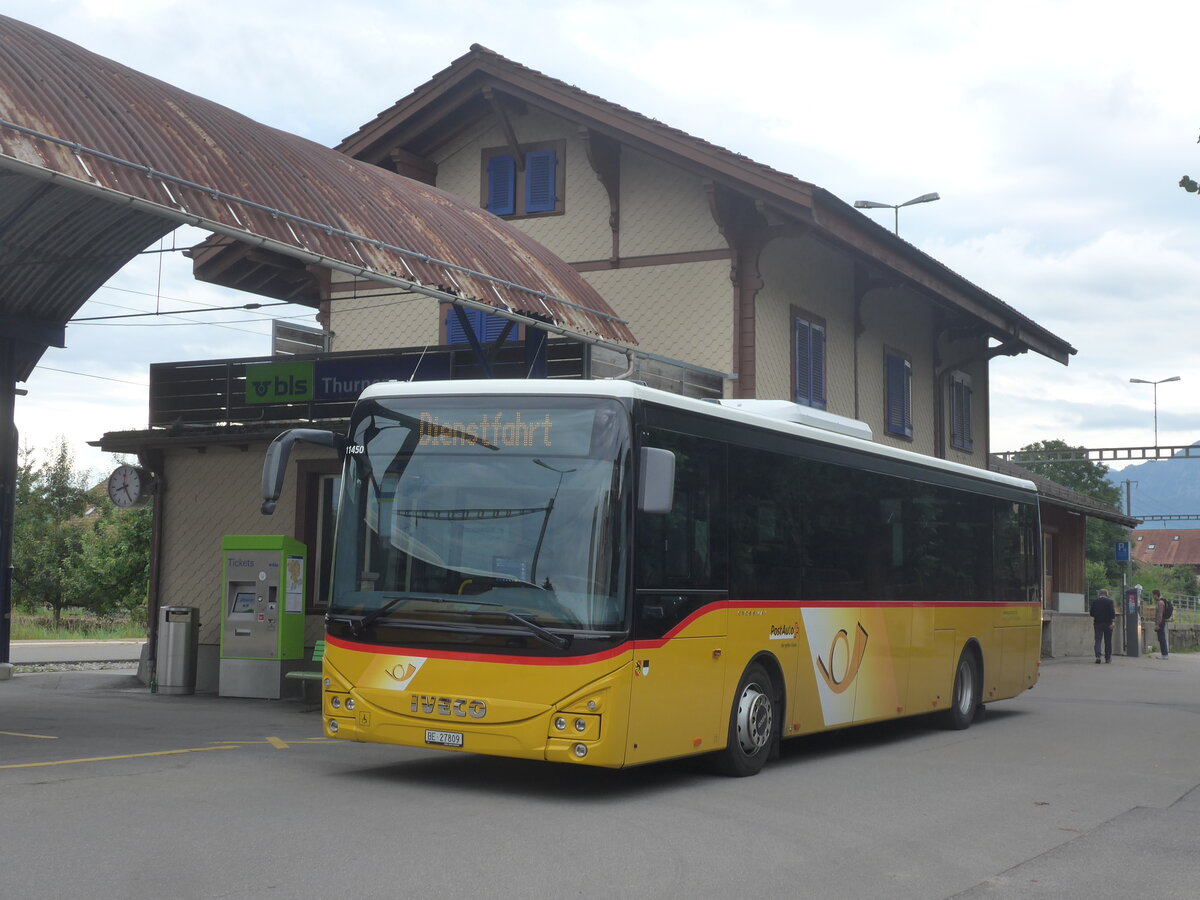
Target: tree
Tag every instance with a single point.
(71, 546)
(1091, 480)
(111, 574)
(1187, 183)
(47, 528)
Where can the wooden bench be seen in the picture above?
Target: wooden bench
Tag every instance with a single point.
(308, 676)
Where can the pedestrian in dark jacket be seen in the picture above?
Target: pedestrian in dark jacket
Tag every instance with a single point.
(1103, 616)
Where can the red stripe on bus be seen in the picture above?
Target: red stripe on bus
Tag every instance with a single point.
(657, 643)
(388, 650)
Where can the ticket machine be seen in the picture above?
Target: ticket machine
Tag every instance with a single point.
(262, 614)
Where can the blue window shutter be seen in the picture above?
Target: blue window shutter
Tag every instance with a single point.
(818, 366)
(899, 395)
(492, 326)
(486, 326)
(802, 347)
(808, 340)
(454, 330)
(502, 185)
(960, 412)
(540, 181)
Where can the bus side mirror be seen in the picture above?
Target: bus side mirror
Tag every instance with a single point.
(275, 462)
(656, 492)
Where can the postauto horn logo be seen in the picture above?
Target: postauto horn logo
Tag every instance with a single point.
(279, 383)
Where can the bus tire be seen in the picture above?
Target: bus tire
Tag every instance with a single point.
(753, 725)
(965, 694)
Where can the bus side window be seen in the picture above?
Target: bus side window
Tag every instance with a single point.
(686, 548)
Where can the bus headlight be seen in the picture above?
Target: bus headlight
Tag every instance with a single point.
(333, 726)
(349, 703)
(560, 724)
(335, 702)
(580, 725)
(580, 750)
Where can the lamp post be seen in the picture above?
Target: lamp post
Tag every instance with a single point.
(1156, 384)
(871, 204)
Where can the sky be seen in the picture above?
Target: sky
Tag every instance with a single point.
(1055, 133)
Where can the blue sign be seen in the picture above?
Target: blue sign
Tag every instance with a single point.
(1122, 551)
(345, 378)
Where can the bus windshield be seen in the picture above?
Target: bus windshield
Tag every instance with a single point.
(500, 515)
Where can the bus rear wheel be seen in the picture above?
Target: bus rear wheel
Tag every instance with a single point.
(964, 697)
(753, 726)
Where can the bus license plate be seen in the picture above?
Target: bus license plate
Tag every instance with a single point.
(444, 738)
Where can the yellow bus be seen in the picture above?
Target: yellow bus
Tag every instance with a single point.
(599, 573)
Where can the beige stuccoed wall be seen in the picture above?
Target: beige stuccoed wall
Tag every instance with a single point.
(664, 210)
(382, 319)
(679, 311)
(798, 272)
(207, 496)
(581, 232)
(896, 320)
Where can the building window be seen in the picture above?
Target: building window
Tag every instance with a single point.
(808, 360)
(898, 377)
(533, 188)
(960, 411)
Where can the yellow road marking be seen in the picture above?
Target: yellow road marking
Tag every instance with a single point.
(71, 762)
(44, 737)
(277, 743)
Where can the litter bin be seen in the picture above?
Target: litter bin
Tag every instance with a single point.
(178, 634)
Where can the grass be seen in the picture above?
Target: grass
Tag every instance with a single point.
(41, 628)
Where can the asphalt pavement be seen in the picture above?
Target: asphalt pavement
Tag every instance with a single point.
(1086, 786)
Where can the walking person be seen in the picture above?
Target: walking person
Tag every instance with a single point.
(1103, 616)
(1163, 611)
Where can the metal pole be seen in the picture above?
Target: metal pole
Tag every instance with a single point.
(8, 488)
(1156, 415)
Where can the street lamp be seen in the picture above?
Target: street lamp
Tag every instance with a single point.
(871, 204)
(1156, 384)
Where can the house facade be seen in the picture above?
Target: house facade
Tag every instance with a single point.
(760, 284)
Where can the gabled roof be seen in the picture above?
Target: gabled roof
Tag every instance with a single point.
(1166, 546)
(97, 160)
(471, 87)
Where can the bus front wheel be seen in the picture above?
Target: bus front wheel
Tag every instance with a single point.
(753, 726)
(964, 699)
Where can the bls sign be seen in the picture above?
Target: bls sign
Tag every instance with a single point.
(279, 383)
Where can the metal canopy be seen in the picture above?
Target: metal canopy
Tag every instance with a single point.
(97, 161)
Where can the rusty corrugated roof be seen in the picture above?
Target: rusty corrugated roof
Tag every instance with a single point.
(103, 160)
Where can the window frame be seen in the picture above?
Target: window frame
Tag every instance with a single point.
(522, 205)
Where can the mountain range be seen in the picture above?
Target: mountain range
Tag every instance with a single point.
(1162, 487)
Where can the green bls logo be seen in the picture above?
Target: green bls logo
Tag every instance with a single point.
(279, 383)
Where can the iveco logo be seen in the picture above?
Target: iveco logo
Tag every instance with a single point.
(448, 706)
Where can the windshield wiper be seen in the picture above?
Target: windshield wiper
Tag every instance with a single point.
(361, 623)
(542, 634)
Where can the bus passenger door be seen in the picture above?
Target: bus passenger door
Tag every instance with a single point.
(676, 700)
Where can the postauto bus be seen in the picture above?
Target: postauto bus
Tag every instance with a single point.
(599, 573)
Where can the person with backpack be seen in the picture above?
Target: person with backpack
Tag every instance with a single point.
(1103, 614)
(1164, 609)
